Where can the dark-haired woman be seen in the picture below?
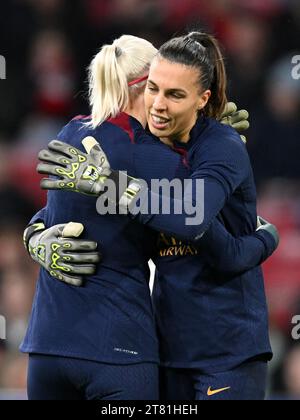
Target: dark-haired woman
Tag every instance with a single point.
(213, 326)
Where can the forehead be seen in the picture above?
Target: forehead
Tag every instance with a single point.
(169, 75)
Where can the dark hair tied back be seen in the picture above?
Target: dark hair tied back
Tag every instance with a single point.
(202, 51)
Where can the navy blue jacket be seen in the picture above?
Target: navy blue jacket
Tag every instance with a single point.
(210, 319)
(110, 319)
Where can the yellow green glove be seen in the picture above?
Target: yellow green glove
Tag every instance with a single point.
(61, 253)
(237, 119)
(85, 173)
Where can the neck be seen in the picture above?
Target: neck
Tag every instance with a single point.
(138, 116)
(136, 109)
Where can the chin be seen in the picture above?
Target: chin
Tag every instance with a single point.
(158, 133)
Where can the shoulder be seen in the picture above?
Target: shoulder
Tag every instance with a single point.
(79, 122)
(221, 135)
(219, 152)
(79, 128)
(219, 141)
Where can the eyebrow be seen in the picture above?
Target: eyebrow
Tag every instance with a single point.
(171, 90)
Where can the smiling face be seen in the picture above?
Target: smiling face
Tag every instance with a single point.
(173, 99)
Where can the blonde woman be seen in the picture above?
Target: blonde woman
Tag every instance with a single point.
(97, 341)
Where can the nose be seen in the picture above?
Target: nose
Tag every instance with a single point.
(159, 103)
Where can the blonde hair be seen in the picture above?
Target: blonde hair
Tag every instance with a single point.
(127, 59)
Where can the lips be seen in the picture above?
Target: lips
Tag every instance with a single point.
(159, 123)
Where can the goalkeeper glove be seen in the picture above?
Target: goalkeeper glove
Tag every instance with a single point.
(58, 250)
(264, 225)
(236, 119)
(86, 173)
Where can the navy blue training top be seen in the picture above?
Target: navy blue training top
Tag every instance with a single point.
(210, 319)
(110, 319)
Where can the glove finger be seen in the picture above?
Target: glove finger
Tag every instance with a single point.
(82, 270)
(56, 158)
(88, 143)
(99, 156)
(244, 139)
(78, 245)
(62, 148)
(73, 230)
(54, 232)
(52, 184)
(70, 269)
(48, 169)
(230, 108)
(87, 258)
(71, 280)
(240, 115)
(241, 126)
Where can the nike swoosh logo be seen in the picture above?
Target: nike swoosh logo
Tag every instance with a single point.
(211, 392)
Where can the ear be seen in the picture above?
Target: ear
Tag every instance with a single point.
(203, 99)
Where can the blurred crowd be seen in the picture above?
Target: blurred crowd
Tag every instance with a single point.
(48, 45)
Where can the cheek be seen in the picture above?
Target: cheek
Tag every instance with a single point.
(186, 116)
(148, 100)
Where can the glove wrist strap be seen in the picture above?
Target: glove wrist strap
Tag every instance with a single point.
(128, 189)
(30, 231)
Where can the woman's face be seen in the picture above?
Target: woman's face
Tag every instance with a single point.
(173, 99)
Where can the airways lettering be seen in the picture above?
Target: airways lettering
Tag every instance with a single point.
(180, 251)
(172, 247)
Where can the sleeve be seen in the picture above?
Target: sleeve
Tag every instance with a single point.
(221, 167)
(66, 133)
(39, 217)
(231, 255)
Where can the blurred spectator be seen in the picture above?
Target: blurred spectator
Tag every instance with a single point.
(266, 8)
(13, 375)
(17, 289)
(15, 209)
(17, 272)
(279, 202)
(247, 44)
(274, 135)
(53, 74)
(49, 9)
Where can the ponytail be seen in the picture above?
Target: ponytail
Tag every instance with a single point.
(110, 72)
(108, 85)
(202, 51)
(218, 82)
